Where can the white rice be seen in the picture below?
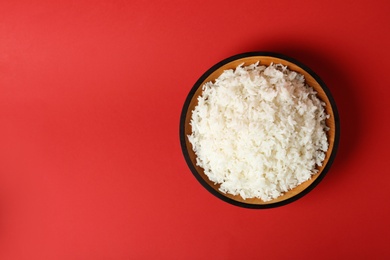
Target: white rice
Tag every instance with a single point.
(259, 131)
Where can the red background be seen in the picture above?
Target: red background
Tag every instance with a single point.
(90, 99)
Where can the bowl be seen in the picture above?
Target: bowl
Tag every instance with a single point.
(265, 58)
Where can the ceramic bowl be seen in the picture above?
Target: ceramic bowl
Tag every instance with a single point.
(265, 58)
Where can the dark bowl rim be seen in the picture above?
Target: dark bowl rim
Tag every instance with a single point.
(183, 136)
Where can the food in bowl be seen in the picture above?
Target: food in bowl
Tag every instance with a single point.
(259, 131)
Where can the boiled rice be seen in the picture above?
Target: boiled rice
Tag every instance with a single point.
(259, 131)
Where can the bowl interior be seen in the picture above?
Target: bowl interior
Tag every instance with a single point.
(264, 60)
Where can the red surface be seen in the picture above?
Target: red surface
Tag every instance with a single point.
(90, 99)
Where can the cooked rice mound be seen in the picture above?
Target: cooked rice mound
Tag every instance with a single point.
(259, 131)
